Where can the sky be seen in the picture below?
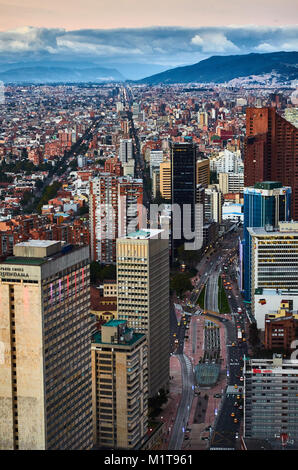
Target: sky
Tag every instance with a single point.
(165, 33)
(108, 14)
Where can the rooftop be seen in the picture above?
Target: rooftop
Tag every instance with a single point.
(144, 234)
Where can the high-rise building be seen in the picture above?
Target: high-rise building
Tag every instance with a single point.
(165, 180)
(231, 182)
(120, 386)
(156, 158)
(125, 150)
(45, 361)
(266, 203)
(183, 172)
(203, 172)
(271, 151)
(213, 204)
(270, 398)
(274, 263)
(113, 205)
(143, 297)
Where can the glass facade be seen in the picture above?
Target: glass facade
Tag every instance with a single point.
(262, 207)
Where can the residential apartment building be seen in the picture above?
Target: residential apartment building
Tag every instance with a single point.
(113, 206)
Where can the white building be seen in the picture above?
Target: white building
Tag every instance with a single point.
(274, 263)
(227, 162)
(126, 150)
(156, 158)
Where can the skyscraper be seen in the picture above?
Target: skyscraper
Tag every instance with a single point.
(120, 386)
(126, 150)
(271, 151)
(45, 366)
(143, 297)
(183, 172)
(165, 180)
(266, 203)
(113, 205)
(274, 266)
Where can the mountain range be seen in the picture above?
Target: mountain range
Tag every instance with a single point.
(36, 73)
(283, 66)
(219, 69)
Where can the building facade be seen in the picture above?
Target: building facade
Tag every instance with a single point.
(270, 398)
(274, 262)
(143, 297)
(266, 203)
(45, 367)
(271, 151)
(119, 386)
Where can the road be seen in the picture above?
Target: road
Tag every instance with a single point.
(184, 407)
(211, 293)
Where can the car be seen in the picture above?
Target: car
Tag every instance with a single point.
(174, 334)
(238, 397)
(235, 420)
(233, 414)
(176, 341)
(241, 379)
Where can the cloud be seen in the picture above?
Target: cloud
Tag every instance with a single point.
(169, 46)
(214, 41)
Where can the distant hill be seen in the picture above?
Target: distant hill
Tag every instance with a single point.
(42, 74)
(219, 69)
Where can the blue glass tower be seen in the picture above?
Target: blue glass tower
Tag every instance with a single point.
(266, 203)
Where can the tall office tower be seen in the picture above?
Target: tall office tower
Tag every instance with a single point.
(266, 203)
(45, 362)
(165, 180)
(274, 266)
(143, 297)
(183, 172)
(203, 172)
(125, 150)
(120, 386)
(271, 151)
(156, 158)
(112, 207)
(270, 398)
(213, 204)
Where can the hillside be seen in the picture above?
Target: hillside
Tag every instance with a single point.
(219, 69)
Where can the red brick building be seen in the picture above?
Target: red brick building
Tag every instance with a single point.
(271, 151)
